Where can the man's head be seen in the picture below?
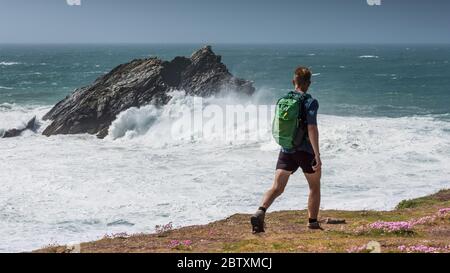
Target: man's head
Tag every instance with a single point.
(302, 78)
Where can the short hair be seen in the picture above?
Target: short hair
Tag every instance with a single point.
(302, 75)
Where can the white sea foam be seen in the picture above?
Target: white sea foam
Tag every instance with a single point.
(178, 122)
(134, 121)
(368, 57)
(13, 116)
(9, 63)
(77, 188)
(6, 88)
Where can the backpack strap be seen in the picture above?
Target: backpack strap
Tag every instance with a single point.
(302, 99)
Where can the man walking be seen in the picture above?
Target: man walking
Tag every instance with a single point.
(305, 155)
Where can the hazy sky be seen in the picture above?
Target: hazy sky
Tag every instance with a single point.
(225, 21)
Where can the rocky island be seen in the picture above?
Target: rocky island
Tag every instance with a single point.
(93, 108)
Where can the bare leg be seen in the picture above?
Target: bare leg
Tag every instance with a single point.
(314, 194)
(281, 180)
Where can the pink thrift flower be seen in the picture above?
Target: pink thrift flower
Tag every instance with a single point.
(423, 249)
(174, 243)
(392, 226)
(357, 249)
(443, 212)
(423, 220)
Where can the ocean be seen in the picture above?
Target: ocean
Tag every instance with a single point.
(384, 120)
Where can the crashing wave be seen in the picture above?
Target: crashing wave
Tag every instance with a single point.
(194, 119)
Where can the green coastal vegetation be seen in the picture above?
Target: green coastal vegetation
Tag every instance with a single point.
(419, 225)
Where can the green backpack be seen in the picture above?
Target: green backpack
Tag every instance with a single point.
(289, 125)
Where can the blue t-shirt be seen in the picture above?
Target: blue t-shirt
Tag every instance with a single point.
(311, 107)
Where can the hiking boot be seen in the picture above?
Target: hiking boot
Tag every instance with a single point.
(315, 226)
(257, 221)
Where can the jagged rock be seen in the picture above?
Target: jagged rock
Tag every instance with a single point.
(31, 125)
(92, 109)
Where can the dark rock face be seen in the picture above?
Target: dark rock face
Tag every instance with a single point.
(31, 125)
(92, 109)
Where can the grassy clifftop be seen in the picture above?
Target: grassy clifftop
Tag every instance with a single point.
(418, 225)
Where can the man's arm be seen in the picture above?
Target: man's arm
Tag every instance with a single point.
(313, 133)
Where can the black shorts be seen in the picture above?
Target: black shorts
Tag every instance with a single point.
(291, 162)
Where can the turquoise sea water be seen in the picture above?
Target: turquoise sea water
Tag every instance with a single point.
(360, 80)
